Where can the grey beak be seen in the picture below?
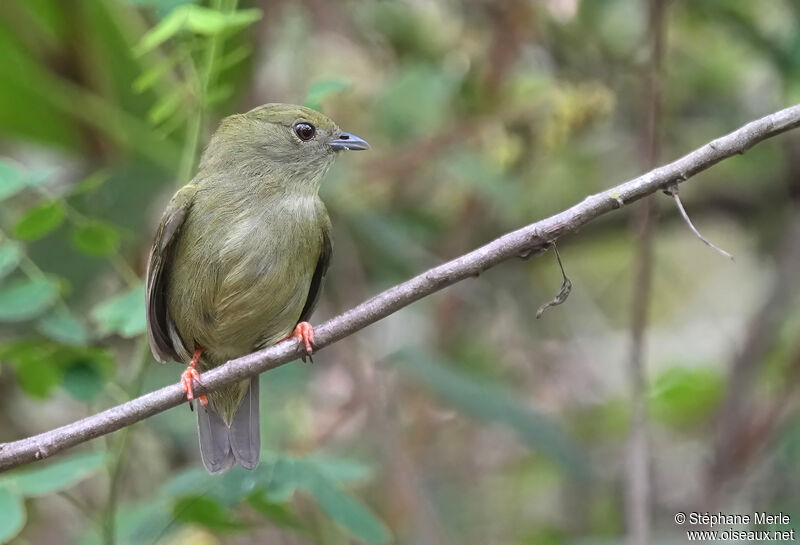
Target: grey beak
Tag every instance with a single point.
(348, 141)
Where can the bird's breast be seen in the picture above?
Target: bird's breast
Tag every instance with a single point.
(245, 276)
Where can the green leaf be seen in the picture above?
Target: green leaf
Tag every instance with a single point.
(83, 381)
(283, 481)
(24, 299)
(278, 513)
(96, 238)
(209, 22)
(341, 470)
(163, 31)
(340, 506)
(12, 515)
(164, 7)
(202, 498)
(238, 483)
(192, 481)
(10, 256)
(124, 314)
(44, 480)
(149, 78)
(100, 358)
(149, 522)
(153, 73)
(165, 107)
(494, 404)
(41, 365)
(93, 181)
(12, 180)
(234, 57)
(38, 376)
(229, 489)
(322, 89)
(682, 397)
(40, 220)
(60, 325)
(220, 93)
(200, 20)
(206, 512)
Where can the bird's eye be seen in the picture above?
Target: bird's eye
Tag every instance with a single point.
(304, 131)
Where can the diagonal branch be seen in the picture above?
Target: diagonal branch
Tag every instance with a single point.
(524, 241)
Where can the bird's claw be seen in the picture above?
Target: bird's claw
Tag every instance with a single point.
(304, 333)
(189, 377)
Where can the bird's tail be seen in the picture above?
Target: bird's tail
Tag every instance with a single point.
(222, 446)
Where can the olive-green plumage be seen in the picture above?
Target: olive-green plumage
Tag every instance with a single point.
(240, 256)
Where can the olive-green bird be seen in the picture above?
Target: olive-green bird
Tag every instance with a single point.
(239, 259)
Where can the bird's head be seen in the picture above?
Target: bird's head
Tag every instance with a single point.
(284, 142)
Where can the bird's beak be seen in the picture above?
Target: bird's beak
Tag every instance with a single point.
(348, 141)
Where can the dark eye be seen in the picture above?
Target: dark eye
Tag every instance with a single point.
(305, 131)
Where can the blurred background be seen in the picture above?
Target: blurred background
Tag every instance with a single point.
(667, 382)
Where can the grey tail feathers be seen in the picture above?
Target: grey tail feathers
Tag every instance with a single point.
(221, 446)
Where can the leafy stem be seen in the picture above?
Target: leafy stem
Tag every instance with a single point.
(204, 81)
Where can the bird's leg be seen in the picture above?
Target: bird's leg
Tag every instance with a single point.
(304, 333)
(189, 376)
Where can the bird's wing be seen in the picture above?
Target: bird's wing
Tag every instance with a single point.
(158, 319)
(319, 274)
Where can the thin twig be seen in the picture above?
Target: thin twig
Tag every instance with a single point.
(673, 190)
(563, 292)
(510, 245)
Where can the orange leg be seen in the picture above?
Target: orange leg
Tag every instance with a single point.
(190, 375)
(304, 333)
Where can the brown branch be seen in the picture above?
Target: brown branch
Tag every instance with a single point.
(522, 241)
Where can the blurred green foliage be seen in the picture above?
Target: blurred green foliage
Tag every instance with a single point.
(37, 482)
(483, 116)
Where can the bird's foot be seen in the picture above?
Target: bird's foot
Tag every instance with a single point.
(191, 375)
(304, 333)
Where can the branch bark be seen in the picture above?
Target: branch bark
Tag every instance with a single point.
(522, 242)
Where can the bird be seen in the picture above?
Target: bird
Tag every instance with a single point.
(239, 259)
